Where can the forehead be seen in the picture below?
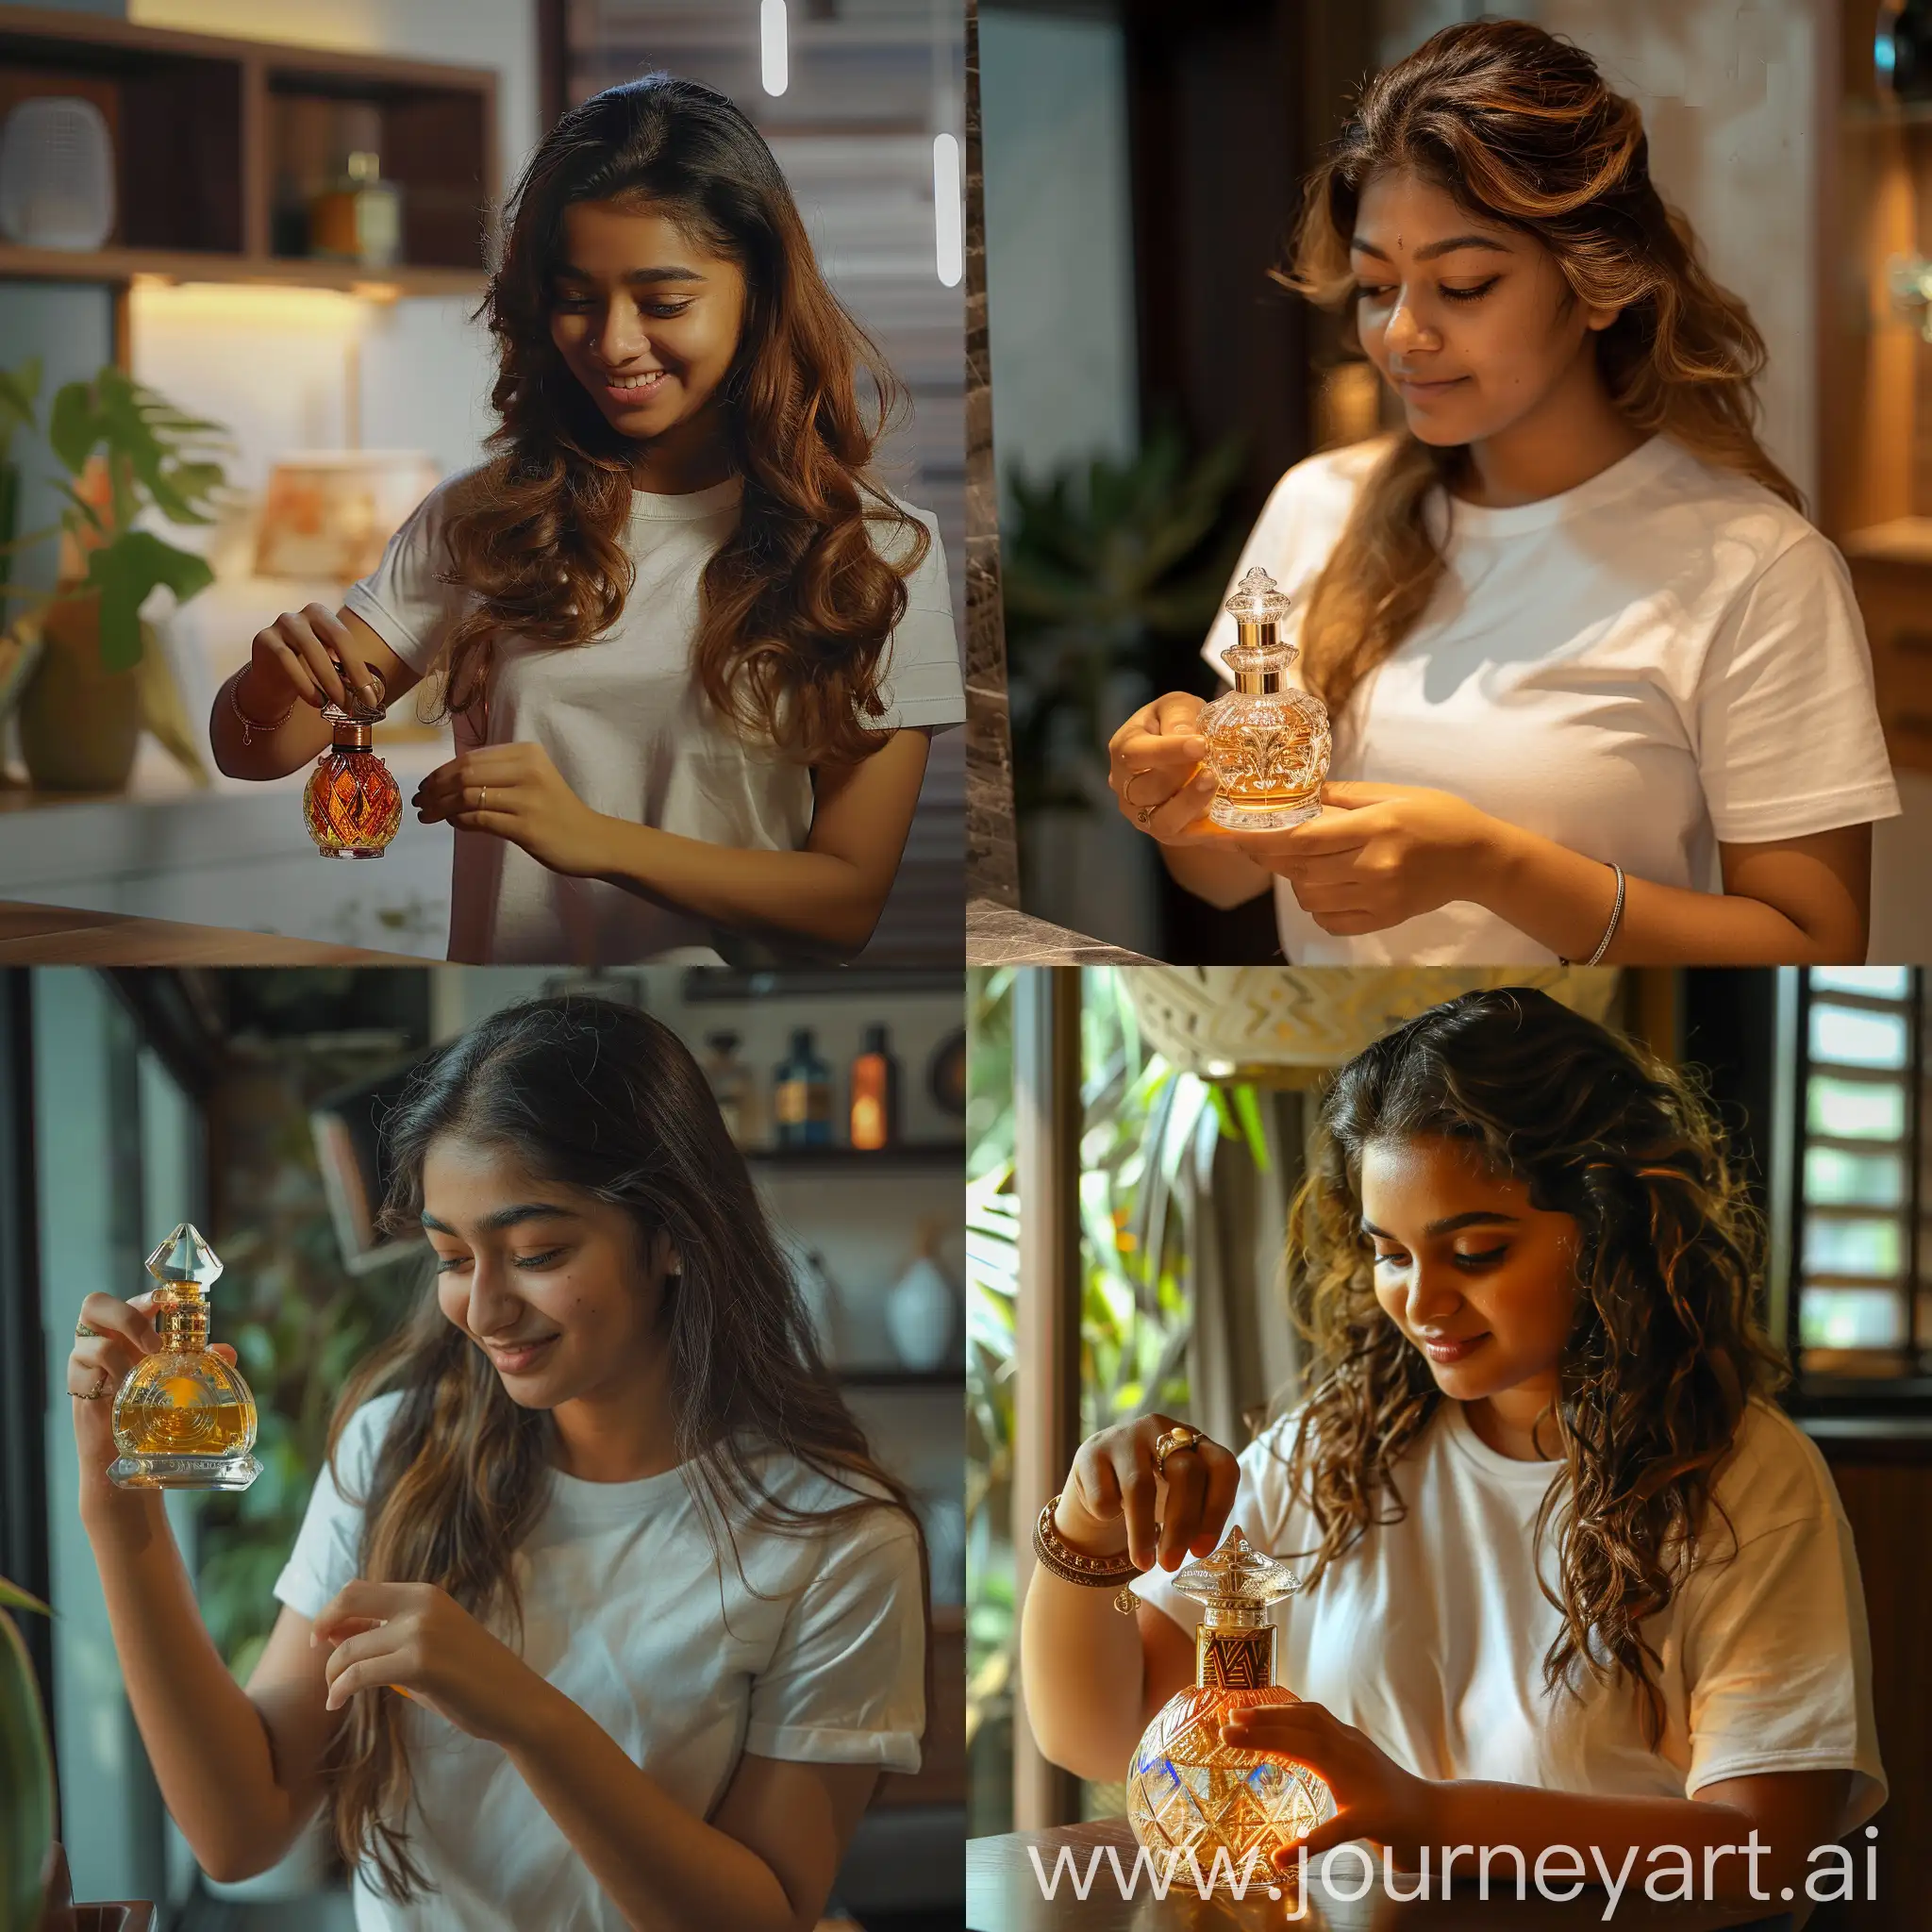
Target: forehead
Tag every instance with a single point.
(609, 237)
(456, 1170)
(1427, 1175)
(1399, 209)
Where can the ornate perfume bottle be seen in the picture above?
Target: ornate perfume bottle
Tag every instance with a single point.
(1188, 1791)
(184, 1418)
(353, 804)
(1268, 744)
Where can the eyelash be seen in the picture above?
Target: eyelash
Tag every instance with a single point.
(1370, 291)
(451, 1263)
(1488, 1259)
(664, 311)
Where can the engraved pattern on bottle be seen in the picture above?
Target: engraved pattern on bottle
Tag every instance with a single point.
(353, 804)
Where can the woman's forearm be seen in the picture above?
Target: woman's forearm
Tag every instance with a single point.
(205, 1738)
(1081, 1672)
(259, 752)
(1564, 900)
(663, 1869)
(1218, 874)
(812, 896)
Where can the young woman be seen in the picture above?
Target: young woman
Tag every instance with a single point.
(1599, 688)
(692, 649)
(598, 1514)
(1570, 1577)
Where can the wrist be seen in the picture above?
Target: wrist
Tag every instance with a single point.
(532, 1716)
(263, 702)
(1494, 862)
(1085, 1534)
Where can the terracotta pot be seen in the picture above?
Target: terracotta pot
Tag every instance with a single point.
(79, 722)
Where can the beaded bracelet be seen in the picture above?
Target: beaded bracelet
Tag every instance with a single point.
(1603, 945)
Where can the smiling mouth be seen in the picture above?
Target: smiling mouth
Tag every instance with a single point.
(1428, 385)
(1451, 1348)
(514, 1359)
(635, 389)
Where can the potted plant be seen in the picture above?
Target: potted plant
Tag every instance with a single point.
(27, 1772)
(101, 675)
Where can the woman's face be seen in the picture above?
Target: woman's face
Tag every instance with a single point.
(1480, 1281)
(526, 1260)
(1471, 322)
(646, 318)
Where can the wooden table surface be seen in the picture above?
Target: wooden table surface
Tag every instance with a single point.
(64, 935)
(1004, 1894)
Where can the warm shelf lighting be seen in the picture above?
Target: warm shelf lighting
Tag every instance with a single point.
(948, 210)
(773, 46)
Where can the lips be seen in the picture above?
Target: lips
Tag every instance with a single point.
(514, 1360)
(1451, 1348)
(1418, 386)
(634, 393)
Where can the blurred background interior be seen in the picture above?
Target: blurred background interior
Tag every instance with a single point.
(1154, 1121)
(1143, 169)
(292, 222)
(239, 1100)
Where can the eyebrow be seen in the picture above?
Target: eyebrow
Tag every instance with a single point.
(508, 1217)
(569, 271)
(1476, 1217)
(1436, 248)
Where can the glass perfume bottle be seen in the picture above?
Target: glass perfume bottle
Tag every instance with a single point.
(353, 804)
(184, 1418)
(1268, 744)
(1188, 1791)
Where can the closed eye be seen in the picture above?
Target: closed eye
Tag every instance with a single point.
(1488, 1259)
(539, 1260)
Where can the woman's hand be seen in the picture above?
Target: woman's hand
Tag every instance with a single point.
(96, 1366)
(415, 1638)
(1113, 1501)
(1378, 854)
(309, 654)
(1154, 767)
(514, 792)
(1375, 1798)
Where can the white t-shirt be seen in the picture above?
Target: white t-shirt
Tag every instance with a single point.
(1664, 658)
(1429, 1635)
(626, 726)
(628, 1614)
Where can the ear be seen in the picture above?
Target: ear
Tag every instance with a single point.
(1600, 318)
(664, 1255)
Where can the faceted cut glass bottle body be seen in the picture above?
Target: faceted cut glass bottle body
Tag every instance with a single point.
(1188, 1791)
(1268, 754)
(184, 1418)
(353, 804)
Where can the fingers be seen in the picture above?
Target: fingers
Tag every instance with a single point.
(1186, 1482)
(1181, 816)
(1133, 1470)
(319, 656)
(1221, 1476)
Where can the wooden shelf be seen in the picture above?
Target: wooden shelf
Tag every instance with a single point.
(1905, 540)
(890, 1378)
(911, 1158)
(193, 265)
(219, 145)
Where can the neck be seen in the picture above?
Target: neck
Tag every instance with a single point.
(1575, 433)
(692, 455)
(1513, 1424)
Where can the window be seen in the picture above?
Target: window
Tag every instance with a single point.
(1862, 1310)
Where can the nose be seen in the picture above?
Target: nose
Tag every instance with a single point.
(619, 333)
(1405, 331)
(1433, 1296)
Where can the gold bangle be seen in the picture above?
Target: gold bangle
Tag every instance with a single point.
(1063, 1560)
(250, 725)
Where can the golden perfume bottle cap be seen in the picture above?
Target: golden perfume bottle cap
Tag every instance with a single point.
(1237, 1577)
(1258, 599)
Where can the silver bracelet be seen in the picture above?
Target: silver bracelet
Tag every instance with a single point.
(1603, 945)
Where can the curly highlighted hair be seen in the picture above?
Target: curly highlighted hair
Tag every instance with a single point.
(1520, 129)
(799, 603)
(1667, 1347)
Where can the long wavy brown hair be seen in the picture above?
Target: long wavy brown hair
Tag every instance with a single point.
(1667, 1347)
(799, 602)
(602, 1098)
(1520, 129)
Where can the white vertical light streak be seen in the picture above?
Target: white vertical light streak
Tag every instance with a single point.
(948, 210)
(774, 45)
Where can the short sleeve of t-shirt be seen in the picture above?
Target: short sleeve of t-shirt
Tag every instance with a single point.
(921, 682)
(846, 1683)
(1778, 1660)
(403, 600)
(1786, 690)
(324, 1557)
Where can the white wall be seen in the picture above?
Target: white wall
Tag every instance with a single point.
(1060, 241)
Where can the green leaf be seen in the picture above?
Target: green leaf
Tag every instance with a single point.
(125, 572)
(14, 1598)
(74, 426)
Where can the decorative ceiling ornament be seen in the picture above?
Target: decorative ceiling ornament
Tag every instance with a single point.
(1289, 1025)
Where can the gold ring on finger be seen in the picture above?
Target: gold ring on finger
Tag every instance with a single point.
(1127, 791)
(1144, 814)
(81, 1328)
(99, 1390)
(482, 798)
(1179, 1436)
